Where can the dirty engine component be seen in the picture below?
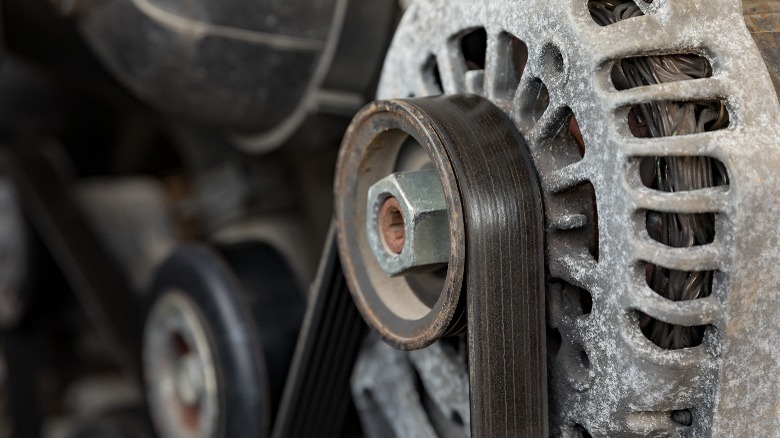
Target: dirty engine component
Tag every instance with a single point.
(218, 339)
(257, 68)
(653, 159)
(496, 247)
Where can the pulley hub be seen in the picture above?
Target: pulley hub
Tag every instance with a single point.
(400, 230)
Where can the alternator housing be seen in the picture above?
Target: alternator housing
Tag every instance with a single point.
(606, 377)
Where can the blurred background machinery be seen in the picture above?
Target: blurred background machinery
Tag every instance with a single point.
(133, 127)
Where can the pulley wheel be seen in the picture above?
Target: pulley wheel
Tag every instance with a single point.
(403, 315)
(394, 301)
(212, 363)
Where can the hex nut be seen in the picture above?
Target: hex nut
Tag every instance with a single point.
(424, 241)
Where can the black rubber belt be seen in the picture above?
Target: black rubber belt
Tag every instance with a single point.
(317, 395)
(504, 280)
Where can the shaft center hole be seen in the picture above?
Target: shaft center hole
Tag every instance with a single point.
(392, 225)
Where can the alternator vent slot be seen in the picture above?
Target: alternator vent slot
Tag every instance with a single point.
(681, 230)
(554, 342)
(683, 417)
(576, 134)
(691, 173)
(581, 432)
(473, 45)
(574, 359)
(566, 145)
(566, 301)
(607, 12)
(512, 57)
(582, 297)
(648, 70)
(676, 285)
(670, 336)
(673, 118)
(534, 100)
(432, 76)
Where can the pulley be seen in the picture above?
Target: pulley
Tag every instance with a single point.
(470, 218)
(218, 339)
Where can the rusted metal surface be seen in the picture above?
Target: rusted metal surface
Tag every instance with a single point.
(404, 317)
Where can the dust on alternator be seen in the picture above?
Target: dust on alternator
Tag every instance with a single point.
(656, 164)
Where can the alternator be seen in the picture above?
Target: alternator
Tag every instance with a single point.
(653, 128)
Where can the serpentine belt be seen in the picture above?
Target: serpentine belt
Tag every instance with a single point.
(316, 396)
(504, 264)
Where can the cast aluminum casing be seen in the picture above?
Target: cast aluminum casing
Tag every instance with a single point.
(626, 384)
